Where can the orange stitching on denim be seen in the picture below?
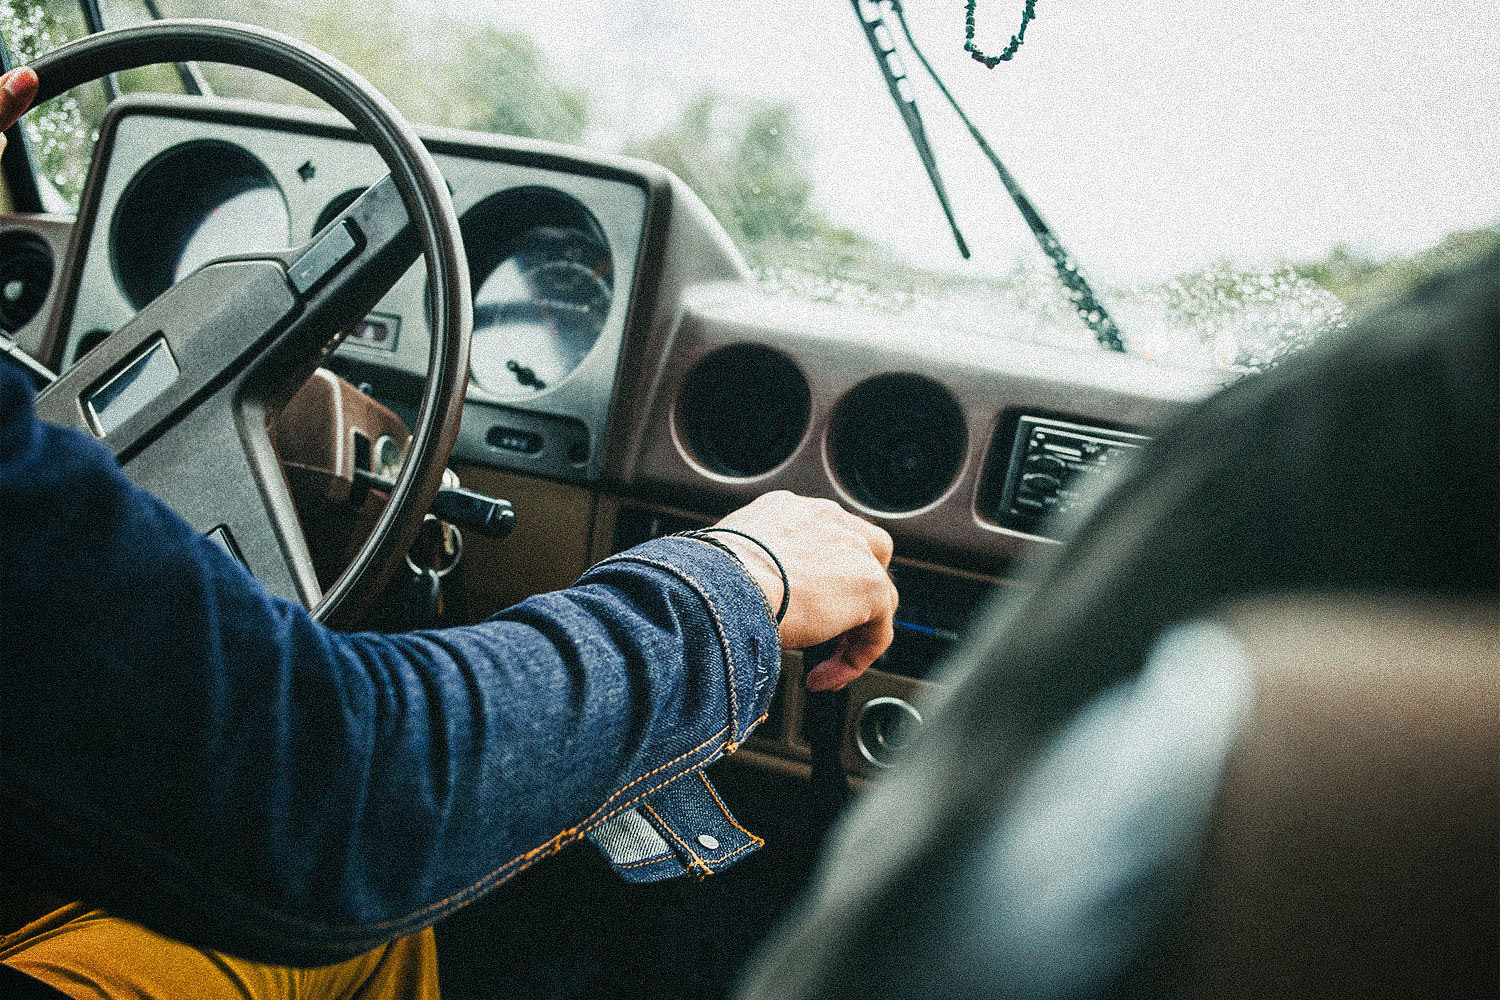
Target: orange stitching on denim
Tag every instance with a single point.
(625, 557)
(734, 742)
(555, 843)
(625, 788)
(707, 863)
(725, 646)
(743, 847)
(593, 820)
(572, 834)
(775, 630)
(697, 861)
(650, 791)
(725, 809)
(764, 600)
(754, 840)
(560, 840)
(656, 860)
(732, 746)
(566, 837)
(520, 863)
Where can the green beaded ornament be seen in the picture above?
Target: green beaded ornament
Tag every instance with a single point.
(1010, 49)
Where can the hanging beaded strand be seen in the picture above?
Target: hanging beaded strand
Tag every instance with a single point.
(1015, 40)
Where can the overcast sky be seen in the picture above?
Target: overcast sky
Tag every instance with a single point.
(1153, 137)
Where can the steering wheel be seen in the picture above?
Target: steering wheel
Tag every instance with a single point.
(182, 393)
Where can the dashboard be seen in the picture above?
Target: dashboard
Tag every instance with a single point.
(628, 377)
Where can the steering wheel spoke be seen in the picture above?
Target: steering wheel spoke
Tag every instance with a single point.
(218, 469)
(340, 273)
(180, 348)
(181, 393)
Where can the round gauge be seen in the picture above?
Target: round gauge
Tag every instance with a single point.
(193, 203)
(538, 314)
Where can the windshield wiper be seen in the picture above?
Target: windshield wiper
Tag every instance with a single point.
(1080, 292)
(884, 47)
(192, 79)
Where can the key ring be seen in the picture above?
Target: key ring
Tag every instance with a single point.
(442, 571)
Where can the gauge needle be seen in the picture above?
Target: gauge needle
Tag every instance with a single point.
(542, 305)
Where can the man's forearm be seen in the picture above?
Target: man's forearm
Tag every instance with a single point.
(184, 748)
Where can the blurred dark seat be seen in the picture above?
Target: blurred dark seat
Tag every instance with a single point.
(1354, 850)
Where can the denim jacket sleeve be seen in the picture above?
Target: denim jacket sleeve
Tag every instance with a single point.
(187, 750)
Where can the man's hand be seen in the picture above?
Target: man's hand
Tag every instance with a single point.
(17, 91)
(836, 565)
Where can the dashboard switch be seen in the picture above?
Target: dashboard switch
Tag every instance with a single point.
(1040, 482)
(511, 439)
(474, 511)
(466, 509)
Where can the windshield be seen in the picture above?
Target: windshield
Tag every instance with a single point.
(1234, 181)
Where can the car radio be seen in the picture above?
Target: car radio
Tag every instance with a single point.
(1055, 467)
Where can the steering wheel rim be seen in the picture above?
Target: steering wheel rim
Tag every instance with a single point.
(424, 193)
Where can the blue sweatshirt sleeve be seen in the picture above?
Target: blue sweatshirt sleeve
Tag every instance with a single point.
(187, 750)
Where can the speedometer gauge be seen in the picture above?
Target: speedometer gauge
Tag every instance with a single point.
(539, 313)
(195, 202)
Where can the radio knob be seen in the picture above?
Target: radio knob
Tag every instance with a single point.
(1040, 482)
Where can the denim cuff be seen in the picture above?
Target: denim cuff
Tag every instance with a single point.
(684, 826)
(749, 638)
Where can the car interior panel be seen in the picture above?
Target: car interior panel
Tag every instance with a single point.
(666, 462)
(1321, 757)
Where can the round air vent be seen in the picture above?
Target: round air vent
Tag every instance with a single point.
(743, 409)
(25, 277)
(897, 442)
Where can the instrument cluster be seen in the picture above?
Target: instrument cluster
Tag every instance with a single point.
(187, 181)
(543, 282)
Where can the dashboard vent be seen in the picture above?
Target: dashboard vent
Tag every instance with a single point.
(743, 410)
(25, 277)
(897, 442)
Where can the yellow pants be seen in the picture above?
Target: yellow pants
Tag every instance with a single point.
(90, 955)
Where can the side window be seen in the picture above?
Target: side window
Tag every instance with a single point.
(61, 133)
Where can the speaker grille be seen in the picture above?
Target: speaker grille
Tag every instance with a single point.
(743, 410)
(25, 277)
(897, 442)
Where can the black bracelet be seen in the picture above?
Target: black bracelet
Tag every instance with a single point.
(786, 586)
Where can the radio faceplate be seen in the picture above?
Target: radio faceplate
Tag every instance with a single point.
(1055, 468)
